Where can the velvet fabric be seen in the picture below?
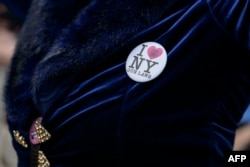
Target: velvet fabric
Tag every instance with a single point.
(69, 68)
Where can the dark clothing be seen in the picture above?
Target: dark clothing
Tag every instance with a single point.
(69, 68)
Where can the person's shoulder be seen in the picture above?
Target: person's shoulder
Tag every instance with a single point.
(233, 16)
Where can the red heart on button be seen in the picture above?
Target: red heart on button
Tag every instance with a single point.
(154, 52)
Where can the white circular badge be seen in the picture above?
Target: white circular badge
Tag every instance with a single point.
(146, 62)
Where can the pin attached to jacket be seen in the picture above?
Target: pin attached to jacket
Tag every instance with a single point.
(146, 62)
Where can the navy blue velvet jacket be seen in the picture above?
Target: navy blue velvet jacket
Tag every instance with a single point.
(69, 68)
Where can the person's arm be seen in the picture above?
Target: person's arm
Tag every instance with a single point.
(242, 138)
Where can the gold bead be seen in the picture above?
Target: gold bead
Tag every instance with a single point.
(42, 133)
(42, 160)
(20, 139)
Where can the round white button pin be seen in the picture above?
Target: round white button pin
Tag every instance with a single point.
(146, 62)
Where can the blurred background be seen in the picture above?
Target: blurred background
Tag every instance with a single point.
(12, 16)
(9, 28)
